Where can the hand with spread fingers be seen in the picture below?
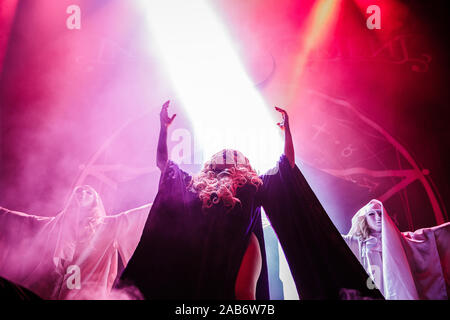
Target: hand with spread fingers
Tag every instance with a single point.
(164, 115)
(285, 123)
(288, 143)
(162, 154)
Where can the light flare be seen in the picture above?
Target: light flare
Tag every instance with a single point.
(223, 104)
(322, 18)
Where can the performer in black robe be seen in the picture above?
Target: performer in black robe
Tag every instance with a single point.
(188, 251)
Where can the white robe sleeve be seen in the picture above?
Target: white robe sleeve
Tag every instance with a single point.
(428, 255)
(128, 227)
(20, 236)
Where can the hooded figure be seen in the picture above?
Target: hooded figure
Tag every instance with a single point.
(73, 255)
(403, 265)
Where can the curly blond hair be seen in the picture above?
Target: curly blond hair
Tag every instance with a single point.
(220, 178)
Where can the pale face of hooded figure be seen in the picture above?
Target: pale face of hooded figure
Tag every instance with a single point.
(87, 203)
(85, 196)
(373, 217)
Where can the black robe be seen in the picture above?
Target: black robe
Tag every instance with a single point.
(322, 265)
(187, 253)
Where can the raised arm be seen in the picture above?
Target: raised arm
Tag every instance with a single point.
(21, 217)
(162, 154)
(288, 144)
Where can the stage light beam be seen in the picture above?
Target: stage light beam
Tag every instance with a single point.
(223, 104)
(7, 14)
(322, 18)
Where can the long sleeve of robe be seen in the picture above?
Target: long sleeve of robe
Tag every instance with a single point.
(416, 265)
(26, 248)
(322, 265)
(129, 227)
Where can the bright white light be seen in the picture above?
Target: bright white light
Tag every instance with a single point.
(224, 106)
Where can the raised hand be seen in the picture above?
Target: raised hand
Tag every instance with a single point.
(164, 115)
(288, 143)
(285, 122)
